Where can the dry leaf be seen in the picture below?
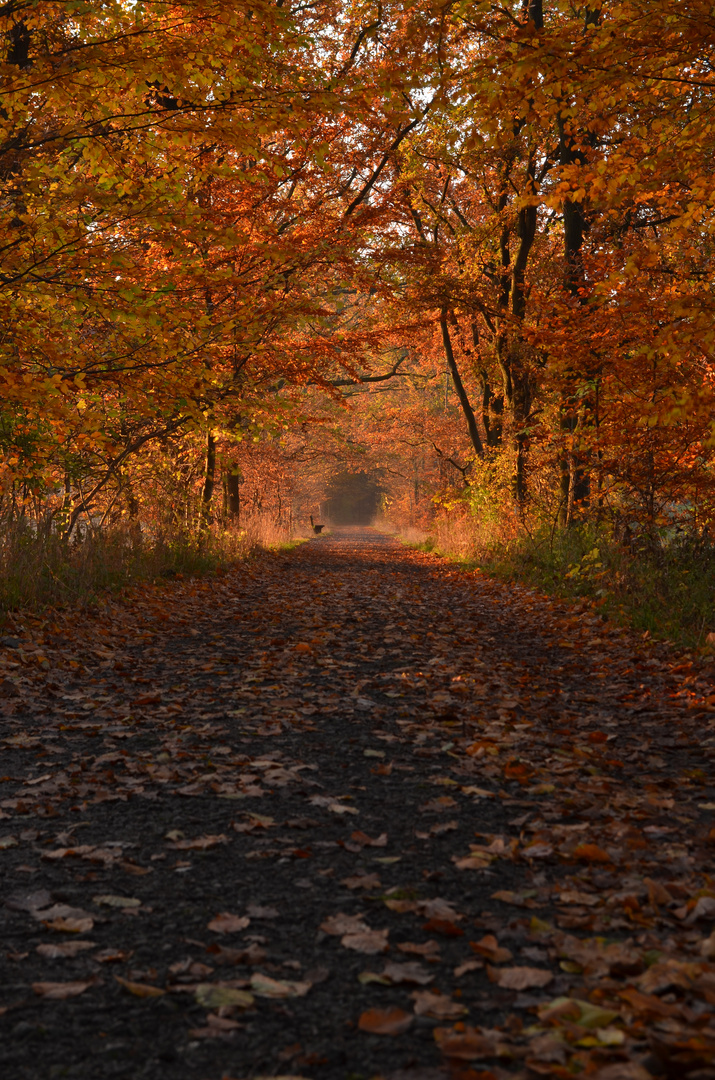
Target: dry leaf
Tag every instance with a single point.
(216, 996)
(125, 902)
(392, 1021)
(60, 991)
(343, 924)
(519, 978)
(469, 1045)
(65, 949)
(489, 947)
(590, 853)
(468, 965)
(361, 881)
(364, 840)
(369, 942)
(141, 990)
(264, 986)
(226, 923)
(430, 949)
(411, 973)
(70, 925)
(199, 843)
(438, 1006)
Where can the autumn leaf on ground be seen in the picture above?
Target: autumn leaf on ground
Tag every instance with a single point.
(489, 947)
(361, 838)
(65, 949)
(226, 923)
(60, 991)
(215, 996)
(430, 950)
(109, 900)
(369, 942)
(467, 1045)
(217, 1027)
(70, 925)
(392, 1021)
(361, 881)
(437, 1006)
(590, 853)
(199, 843)
(519, 978)
(411, 973)
(141, 990)
(343, 924)
(264, 986)
(468, 965)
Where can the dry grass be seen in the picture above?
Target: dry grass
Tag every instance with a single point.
(45, 571)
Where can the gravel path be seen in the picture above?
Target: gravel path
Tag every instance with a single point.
(352, 812)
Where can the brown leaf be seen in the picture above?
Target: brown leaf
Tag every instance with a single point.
(519, 978)
(489, 947)
(264, 986)
(430, 949)
(361, 838)
(343, 924)
(65, 949)
(361, 881)
(392, 1021)
(368, 942)
(411, 973)
(70, 925)
(226, 923)
(60, 991)
(199, 843)
(469, 1045)
(141, 990)
(438, 1006)
(590, 853)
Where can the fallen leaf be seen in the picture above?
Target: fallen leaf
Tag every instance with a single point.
(8, 842)
(141, 990)
(65, 949)
(226, 923)
(109, 900)
(411, 973)
(199, 843)
(392, 1021)
(258, 911)
(359, 837)
(489, 947)
(590, 853)
(70, 925)
(438, 1006)
(467, 1045)
(430, 949)
(368, 942)
(343, 924)
(216, 996)
(468, 965)
(264, 986)
(519, 978)
(60, 991)
(361, 881)
(217, 1027)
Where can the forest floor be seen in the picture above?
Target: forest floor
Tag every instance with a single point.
(350, 811)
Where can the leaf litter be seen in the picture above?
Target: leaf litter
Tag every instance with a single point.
(549, 911)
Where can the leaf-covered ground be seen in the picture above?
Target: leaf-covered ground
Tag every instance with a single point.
(353, 812)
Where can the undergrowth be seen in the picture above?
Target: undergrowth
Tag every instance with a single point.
(662, 587)
(45, 571)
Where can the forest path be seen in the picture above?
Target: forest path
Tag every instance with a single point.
(350, 811)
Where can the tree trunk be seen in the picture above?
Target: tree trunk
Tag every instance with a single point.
(209, 481)
(459, 386)
(233, 478)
